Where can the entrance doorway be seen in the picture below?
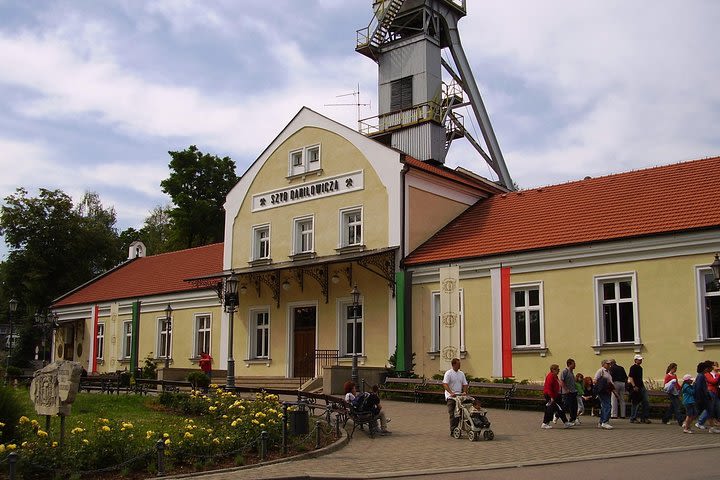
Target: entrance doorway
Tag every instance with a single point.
(304, 327)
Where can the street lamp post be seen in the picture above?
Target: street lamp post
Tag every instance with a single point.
(356, 300)
(716, 269)
(13, 304)
(46, 321)
(230, 299)
(168, 329)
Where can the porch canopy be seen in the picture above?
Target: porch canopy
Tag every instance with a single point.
(323, 270)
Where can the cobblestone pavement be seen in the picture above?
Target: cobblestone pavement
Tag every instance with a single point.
(421, 437)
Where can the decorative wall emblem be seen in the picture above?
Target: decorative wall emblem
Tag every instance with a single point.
(449, 319)
(449, 352)
(449, 285)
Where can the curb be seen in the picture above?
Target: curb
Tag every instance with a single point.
(336, 445)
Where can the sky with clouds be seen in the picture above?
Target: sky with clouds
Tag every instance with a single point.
(93, 93)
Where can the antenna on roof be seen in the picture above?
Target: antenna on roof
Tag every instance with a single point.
(357, 103)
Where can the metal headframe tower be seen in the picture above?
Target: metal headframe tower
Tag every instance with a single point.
(416, 108)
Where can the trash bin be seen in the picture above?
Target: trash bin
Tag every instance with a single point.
(299, 422)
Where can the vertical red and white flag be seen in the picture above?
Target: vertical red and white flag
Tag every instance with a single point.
(92, 359)
(501, 322)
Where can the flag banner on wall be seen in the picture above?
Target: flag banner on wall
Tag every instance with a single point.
(92, 360)
(449, 316)
(501, 325)
(134, 337)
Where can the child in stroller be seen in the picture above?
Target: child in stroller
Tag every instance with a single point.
(473, 419)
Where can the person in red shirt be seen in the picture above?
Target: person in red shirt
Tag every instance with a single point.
(206, 364)
(672, 388)
(551, 391)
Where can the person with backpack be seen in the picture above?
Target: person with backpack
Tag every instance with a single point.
(603, 389)
(688, 397)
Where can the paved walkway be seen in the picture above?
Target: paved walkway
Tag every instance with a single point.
(421, 435)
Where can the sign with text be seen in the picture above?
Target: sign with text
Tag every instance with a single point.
(336, 185)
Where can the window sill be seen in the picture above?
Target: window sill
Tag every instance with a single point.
(710, 342)
(635, 347)
(257, 361)
(303, 256)
(260, 261)
(347, 359)
(542, 351)
(316, 172)
(350, 249)
(436, 354)
(162, 360)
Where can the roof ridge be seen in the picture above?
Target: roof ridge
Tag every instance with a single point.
(183, 250)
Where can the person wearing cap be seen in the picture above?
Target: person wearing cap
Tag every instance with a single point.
(640, 394)
(688, 398)
(604, 388)
(671, 386)
(620, 378)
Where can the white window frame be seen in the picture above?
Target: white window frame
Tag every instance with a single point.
(161, 332)
(298, 234)
(344, 322)
(100, 341)
(257, 241)
(700, 273)
(526, 287)
(206, 331)
(344, 233)
(435, 320)
(254, 330)
(598, 281)
(302, 160)
(127, 339)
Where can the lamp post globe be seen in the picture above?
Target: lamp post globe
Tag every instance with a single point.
(230, 298)
(168, 334)
(355, 299)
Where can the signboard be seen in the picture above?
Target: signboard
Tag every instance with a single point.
(327, 187)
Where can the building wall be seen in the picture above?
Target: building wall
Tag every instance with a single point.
(667, 306)
(428, 213)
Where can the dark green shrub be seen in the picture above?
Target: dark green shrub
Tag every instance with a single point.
(198, 380)
(149, 371)
(14, 372)
(10, 411)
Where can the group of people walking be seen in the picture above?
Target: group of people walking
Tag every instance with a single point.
(569, 394)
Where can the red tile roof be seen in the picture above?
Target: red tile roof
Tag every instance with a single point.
(671, 198)
(152, 275)
(454, 175)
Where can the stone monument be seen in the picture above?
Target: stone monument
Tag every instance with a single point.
(54, 387)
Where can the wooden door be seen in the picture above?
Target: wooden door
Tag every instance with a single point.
(304, 342)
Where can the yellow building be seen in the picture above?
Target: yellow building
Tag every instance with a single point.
(600, 268)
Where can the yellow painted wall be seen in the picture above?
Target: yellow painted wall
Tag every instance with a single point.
(427, 214)
(337, 156)
(375, 315)
(667, 313)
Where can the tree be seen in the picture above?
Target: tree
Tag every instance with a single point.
(156, 233)
(198, 184)
(54, 246)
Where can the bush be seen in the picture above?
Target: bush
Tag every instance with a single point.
(14, 372)
(10, 411)
(198, 380)
(149, 371)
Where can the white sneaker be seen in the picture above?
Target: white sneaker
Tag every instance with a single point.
(606, 426)
(686, 430)
(714, 430)
(577, 421)
(701, 427)
(569, 424)
(545, 426)
(555, 420)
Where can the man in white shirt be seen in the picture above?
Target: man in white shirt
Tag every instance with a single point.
(454, 383)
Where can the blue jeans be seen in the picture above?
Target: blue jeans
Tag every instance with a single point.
(605, 407)
(673, 410)
(711, 408)
(642, 401)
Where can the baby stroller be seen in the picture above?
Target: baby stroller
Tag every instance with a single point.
(472, 420)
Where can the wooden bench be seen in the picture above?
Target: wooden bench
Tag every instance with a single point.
(361, 419)
(104, 383)
(409, 386)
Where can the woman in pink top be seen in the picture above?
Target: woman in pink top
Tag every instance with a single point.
(672, 388)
